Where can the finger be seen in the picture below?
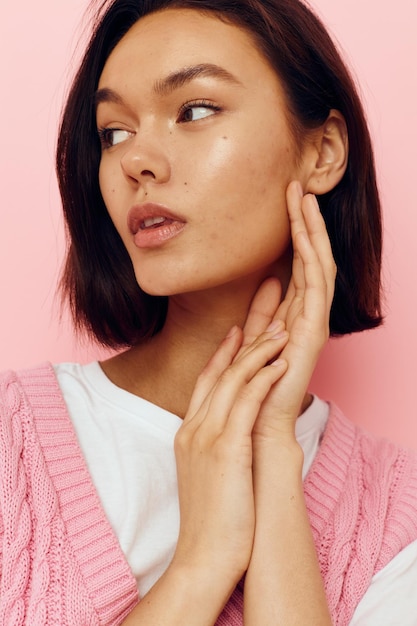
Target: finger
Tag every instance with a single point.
(316, 229)
(276, 329)
(247, 401)
(295, 200)
(220, 360)
(308, 313)
(297, 224)
(315, 303)
(250, 399)
(295, 197)
(305, 217)
(282, 312)
(216, 408)
(262, 310)
(315, 262)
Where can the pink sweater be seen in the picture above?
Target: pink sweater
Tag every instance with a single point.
(61, 565)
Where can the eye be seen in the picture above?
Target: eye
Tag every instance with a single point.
(112, 136)
(194, 111)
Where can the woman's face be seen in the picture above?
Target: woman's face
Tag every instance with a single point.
(197, 154)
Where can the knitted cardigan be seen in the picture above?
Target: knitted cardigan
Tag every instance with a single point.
(61, 564)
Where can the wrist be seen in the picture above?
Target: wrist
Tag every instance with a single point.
(207, 575)
(183, 595)
(280, 456)
(202, 582)
(278, 483)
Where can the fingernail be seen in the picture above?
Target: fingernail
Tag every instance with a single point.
(231, 332)
(300, 189)
(279, 363)
(315, 202)
(274, 325)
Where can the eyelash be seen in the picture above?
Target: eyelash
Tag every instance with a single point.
(204, 104)
(104, 134)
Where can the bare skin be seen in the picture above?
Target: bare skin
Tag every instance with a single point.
(250, 281)
(238, 459)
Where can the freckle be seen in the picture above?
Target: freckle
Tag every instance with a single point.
(185, 183)
(224, 137)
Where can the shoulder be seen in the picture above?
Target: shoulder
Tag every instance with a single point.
(22, 389)
(26, 395)
(38, 378)
(354, 445)
(378, 454)
(376, 463)
(358, 476)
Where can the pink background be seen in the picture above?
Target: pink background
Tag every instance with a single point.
(372, 376)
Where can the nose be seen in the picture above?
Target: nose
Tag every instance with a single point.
(145, 161)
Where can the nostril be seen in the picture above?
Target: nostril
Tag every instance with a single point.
(147, 173)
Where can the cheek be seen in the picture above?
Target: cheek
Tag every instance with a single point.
(245, 178)
(246, 164)
(110, 190)
(106, 180)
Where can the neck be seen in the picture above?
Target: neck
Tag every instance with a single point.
(165, 369)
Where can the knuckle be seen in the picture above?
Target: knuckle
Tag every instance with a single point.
(220, 447)
(182, 439)
(228, 375)
(205, 373)
(247, 395)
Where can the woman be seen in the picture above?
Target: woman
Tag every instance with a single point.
(194, 140)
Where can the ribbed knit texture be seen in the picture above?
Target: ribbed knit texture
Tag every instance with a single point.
(61, 564)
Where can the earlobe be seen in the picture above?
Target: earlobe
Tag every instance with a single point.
(331, 155)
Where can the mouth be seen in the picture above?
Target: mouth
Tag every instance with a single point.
(151, 225)
(154, 222)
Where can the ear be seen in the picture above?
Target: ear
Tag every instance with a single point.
(328, 155)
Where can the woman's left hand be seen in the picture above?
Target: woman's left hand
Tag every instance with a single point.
(284, 568)
(304, 313)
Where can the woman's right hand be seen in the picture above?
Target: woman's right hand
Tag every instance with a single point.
(213, 450)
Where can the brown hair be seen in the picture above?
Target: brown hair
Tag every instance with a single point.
(98, 277)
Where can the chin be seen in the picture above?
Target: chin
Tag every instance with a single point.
(174, 286)
(158, 287)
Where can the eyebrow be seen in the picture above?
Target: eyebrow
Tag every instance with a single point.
(107, 95)
(181, 77)
(173, 81)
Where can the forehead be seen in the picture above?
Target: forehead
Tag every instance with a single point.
(172, 38)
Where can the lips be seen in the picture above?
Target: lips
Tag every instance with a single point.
(150, 222)
(151, 225)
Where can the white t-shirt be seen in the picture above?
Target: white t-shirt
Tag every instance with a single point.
(132, 465)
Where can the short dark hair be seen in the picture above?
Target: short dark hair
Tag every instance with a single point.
(98, 276)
